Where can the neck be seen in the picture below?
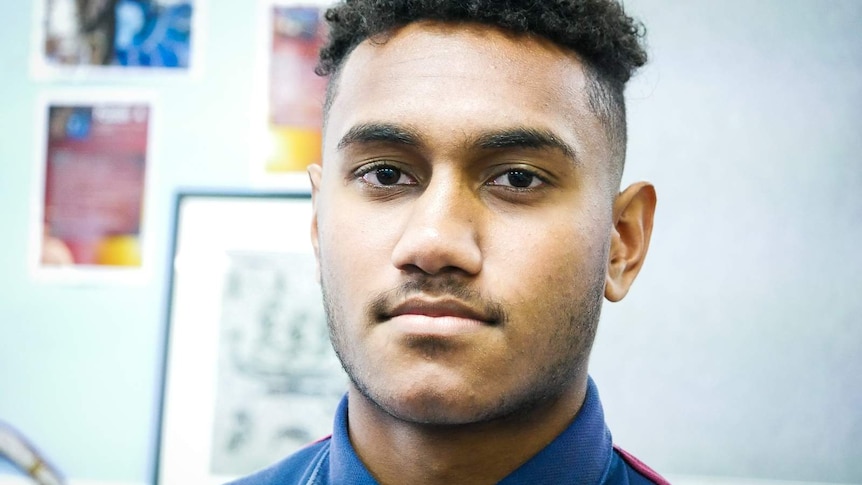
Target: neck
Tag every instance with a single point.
(476, 453)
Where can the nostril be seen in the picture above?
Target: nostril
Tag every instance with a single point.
(412, 269)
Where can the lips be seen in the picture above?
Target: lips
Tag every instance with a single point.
(439, 308)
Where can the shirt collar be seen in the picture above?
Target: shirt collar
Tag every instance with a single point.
(344, 464)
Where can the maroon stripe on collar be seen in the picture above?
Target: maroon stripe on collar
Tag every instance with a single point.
(641, 467)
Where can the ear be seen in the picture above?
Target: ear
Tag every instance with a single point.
(315, 172)
(633, 218)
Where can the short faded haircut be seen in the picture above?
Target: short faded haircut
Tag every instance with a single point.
(599, 32)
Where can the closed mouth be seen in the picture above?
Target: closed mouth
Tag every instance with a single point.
(439, 308)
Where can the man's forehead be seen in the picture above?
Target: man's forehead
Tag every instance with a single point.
(421, 40)
(462, 81)
(423, 51)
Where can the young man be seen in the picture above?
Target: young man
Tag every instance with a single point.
(468, 222)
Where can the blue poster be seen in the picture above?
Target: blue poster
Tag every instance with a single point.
(123, 33)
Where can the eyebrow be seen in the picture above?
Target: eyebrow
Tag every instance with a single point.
(530, 138)
(379, 132)
(509, 138)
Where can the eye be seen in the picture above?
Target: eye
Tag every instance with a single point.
(519, 179)
(385, 175)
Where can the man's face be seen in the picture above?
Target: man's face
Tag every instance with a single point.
(463, 220)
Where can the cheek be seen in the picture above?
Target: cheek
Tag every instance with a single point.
(561, 262)
(353, 251)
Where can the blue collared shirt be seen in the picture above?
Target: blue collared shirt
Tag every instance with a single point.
(582, 454)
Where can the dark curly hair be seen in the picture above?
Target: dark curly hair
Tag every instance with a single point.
(604, 37)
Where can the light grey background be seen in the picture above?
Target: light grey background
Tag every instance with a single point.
(737, 352)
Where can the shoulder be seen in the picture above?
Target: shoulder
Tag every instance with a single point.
(298, 468)
(626, 469)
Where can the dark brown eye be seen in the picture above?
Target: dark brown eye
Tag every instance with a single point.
(520, 179)
(387, 175)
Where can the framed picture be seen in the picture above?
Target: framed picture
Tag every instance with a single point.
(92, 170)
(108, 38)
(249, 375)
(290, 106)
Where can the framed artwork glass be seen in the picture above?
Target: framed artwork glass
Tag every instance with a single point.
(249, 374)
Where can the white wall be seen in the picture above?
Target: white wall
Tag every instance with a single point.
(737, 352)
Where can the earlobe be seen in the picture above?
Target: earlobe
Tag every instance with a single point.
(633, 220)
(314, 175)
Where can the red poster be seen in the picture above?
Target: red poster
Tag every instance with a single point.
(95, 171)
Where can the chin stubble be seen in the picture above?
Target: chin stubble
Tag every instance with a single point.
(571, 345)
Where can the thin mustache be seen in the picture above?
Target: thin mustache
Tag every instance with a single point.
(384, 304)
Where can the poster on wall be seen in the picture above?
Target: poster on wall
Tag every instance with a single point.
(290, 139)
(92, 176)
(245, 303)
(99, 38)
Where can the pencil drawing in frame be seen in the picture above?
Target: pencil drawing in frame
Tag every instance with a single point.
(249, 375)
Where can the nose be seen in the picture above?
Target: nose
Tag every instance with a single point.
(441, 233)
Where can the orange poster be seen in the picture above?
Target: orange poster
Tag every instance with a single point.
(296, 93)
